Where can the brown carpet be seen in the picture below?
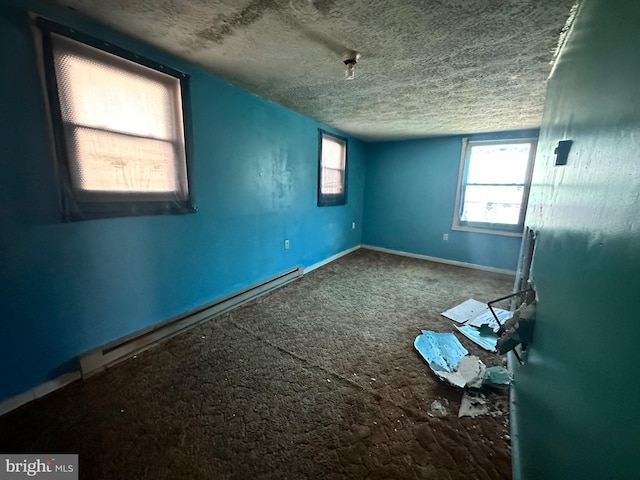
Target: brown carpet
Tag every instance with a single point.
(318, 379)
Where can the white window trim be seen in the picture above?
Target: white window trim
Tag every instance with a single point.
(456, 225)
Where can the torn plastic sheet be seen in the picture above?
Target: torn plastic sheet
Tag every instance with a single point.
(472, 373)
(497, 376)
(465, 311)
(438, 409)
(450, 361)
(475, 313)
(442, 351)
(487, 318)
(488, 342)
(473, 406)
(468, 373)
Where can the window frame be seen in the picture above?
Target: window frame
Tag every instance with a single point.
(332, 199)
(73, 203)
(488, 227)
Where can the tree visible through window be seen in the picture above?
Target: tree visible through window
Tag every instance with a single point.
(119, 132)
(332, 169)
(494, 184)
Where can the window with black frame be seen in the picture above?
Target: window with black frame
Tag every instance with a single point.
(493, 185)
(118, 123)
(332, 168)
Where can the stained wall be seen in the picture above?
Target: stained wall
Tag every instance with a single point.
(576, 396)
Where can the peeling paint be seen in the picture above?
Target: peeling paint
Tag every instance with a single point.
(575, 395)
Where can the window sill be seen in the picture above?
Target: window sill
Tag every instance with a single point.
(490, 231)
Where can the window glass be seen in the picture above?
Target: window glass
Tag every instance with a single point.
(492, 204)
(498, 163)
(331, 172)
(119, 130)
(493, 185)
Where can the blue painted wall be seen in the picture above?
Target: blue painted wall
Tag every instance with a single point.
(67, 288)
(410, 199)
(576, 398)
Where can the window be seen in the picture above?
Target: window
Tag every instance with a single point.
(118, 128)
(493, 185)
(332, 160)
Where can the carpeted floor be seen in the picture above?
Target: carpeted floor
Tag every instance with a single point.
(318, 379)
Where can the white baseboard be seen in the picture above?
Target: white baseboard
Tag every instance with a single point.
(63, 380)
(331, 259)
(441, 260)
(105, 356)
(110, 354)
(38, 391)
(91, 365)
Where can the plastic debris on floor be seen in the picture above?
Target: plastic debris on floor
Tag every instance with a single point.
(479, 324)
(438, 409)
(475, 404)
(450, 361)
(488, 341)
(497, 376)
(442, 351)
(465, 311)
(468, 373)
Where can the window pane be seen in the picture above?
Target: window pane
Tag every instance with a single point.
(492, 204)
(332, 181)
(498, 163)
(332, 170)
(122, 122)
(112, 162)
(332, 153)
(100, 90)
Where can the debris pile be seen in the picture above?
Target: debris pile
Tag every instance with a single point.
(478, 322)
(475, 404)
(451, 362)
(493, 329)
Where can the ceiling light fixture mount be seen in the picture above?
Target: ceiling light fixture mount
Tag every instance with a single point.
(350, 58)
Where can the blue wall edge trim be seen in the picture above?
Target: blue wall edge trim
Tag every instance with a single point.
(474, 266)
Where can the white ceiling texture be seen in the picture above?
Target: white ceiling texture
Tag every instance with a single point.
(426, 68)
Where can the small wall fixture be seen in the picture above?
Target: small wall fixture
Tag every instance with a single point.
(350, 58)
(561, 152)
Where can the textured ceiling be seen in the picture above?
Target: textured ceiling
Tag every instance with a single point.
(427, 68)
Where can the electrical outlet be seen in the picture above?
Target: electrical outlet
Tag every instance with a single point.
(353, 225)
(286, 244)
(445, 236)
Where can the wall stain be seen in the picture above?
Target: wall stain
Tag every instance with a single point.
(323, 6)
(224, 25)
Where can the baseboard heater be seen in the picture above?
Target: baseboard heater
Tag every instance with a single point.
(103, 357)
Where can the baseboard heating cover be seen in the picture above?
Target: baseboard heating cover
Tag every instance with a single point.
(98, 359)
